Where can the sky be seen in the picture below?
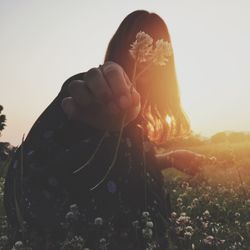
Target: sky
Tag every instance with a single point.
(45, 42)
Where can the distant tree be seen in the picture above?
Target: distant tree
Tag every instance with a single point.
(219, 137)
(2, 120)
(237, 137)
(248, 136)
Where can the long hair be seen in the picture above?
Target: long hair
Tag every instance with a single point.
(162, 113)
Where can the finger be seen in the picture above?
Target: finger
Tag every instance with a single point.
(134, 94)
(77, 113)
(133, 112)
(80, 93)
(128, 82)
(118, 85)
(136, 98)
(98, 85)
(68, 107)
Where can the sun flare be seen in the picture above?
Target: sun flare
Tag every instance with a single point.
(168, 119)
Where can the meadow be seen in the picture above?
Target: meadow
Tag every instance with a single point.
(209, 211)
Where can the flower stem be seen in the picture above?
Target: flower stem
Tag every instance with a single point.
(115, 155)
(134, 74)
(143, 70)
(93, 155)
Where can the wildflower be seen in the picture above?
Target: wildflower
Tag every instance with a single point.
(147, 233)
(194, 203)
(18, 245)
(161, 52)
(141, 48)
(209, 240)
(103, 244)
(184, 184)
(248, 202)
(183, 195)
(189, 229)
(237, 215)
(3, 240)
(188, 235)
(150, 224)
(145, 214)
(179, 201)
(77, 243)
(98, 221)
(73, 208)
(183, 220)
(70, 216)
(237, 223)
(206, 214)
(173, 215)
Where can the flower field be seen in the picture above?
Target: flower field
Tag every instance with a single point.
(209, 211)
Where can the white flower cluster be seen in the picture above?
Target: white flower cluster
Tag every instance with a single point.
(142, 49)
(76, 242)
(162, 51)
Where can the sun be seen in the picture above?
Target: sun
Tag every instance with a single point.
(168, 119)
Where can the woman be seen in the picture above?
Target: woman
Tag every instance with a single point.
(45, 176)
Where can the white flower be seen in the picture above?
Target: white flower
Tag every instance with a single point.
(237, 214)
(248, 227)
(173, 215)
(147, 233)
(194, 203)
(73, 207)
(183, 220)
(209, 240)
(206, 214)
(70, 216)
(103, 244)
(179, 200)
(145, 214)
(18, 245)
(187, 235)
(162, 51)
(141, 48)
(150, 224)
(189, 229)
(248, 202)
(98, 221)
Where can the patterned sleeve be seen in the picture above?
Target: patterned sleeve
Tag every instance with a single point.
(43, 164)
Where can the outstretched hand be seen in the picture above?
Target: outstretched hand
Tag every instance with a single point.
(185, 160)
(102, 100)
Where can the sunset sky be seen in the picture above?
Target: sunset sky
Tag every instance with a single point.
(45, 42)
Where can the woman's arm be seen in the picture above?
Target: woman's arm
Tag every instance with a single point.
(184, 160)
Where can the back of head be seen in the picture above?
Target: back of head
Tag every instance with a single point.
(160, 97)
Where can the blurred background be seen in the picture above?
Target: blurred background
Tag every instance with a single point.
(45, 42)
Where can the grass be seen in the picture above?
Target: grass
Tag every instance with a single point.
(210, 210)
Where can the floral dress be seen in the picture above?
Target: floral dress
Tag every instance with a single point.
(47, 203)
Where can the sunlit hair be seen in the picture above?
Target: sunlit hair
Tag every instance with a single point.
(163, 117)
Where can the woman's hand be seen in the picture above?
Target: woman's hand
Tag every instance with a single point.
(184, 160)
(102, 100)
